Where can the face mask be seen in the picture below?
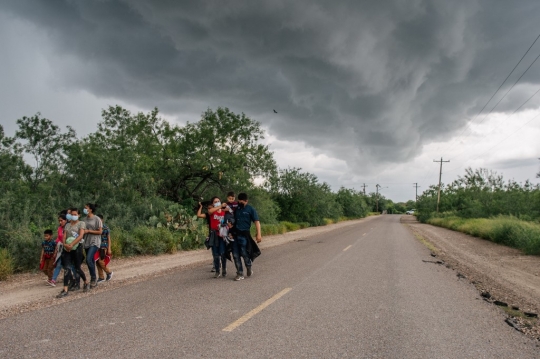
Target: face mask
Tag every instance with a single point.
(68, 217)
(217, 204)
(85, 211)
(74, 218)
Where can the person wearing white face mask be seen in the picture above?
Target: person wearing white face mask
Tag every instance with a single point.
(72, 254)
(216, 216)
(92, 239)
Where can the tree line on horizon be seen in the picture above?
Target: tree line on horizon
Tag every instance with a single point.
(147, 174)
(482, 193)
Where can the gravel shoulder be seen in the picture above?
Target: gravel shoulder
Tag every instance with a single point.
(500, 273)
(29, 291)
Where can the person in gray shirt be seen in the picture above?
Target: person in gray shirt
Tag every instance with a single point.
(72, 253)
(92, 239)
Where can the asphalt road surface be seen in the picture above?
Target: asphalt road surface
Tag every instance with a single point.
(356, 292)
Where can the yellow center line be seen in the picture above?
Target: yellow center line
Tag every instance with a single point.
(347, 247)
(253, 312)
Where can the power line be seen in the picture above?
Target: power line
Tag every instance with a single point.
(513, 113)
(509, 89)
(500, 86)
(377, 186)
(498, 143)
(511, 72)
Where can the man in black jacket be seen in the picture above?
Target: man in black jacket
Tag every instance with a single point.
(244, 215)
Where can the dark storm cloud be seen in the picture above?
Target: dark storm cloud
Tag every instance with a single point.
(370, 82)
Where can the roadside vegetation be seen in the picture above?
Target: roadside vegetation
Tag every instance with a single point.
(482, 204)
(147, 176)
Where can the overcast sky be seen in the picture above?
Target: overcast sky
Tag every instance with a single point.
(366, 92)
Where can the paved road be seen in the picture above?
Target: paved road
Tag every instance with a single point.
(357, 292)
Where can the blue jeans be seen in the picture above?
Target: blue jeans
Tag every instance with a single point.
(57, 269)
(218, 251)
(239, 250)
(90, 253)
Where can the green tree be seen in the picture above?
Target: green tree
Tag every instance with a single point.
(352, 203)
(221, 150)
(42, 139)
(301, 198)
(143, 155)
(13, 169)
(377, 202)
(14, 191)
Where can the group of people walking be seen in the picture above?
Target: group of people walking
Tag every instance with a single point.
(77, 241)
(229, 231)
(89, 241)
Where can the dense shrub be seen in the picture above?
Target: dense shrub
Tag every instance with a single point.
(352, 202)
(155, 240)
(302, 198)
(24, 248)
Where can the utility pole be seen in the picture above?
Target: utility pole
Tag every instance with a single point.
(416, 186)
(364, 186)
(377, 196)
(440, 175)
(377, 186)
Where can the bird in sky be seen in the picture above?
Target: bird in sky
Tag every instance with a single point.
(275, 111)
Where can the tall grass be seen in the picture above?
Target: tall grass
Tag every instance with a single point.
(6, 264)
(506, 230)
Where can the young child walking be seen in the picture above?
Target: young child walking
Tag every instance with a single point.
(47, 256)
(62, 220)
(104, 254)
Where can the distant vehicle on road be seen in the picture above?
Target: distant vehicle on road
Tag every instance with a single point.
(411, 211)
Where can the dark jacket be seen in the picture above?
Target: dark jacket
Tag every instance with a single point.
(252, 248)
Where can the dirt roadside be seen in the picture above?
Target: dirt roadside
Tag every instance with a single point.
(504, 276)
(29, 291)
